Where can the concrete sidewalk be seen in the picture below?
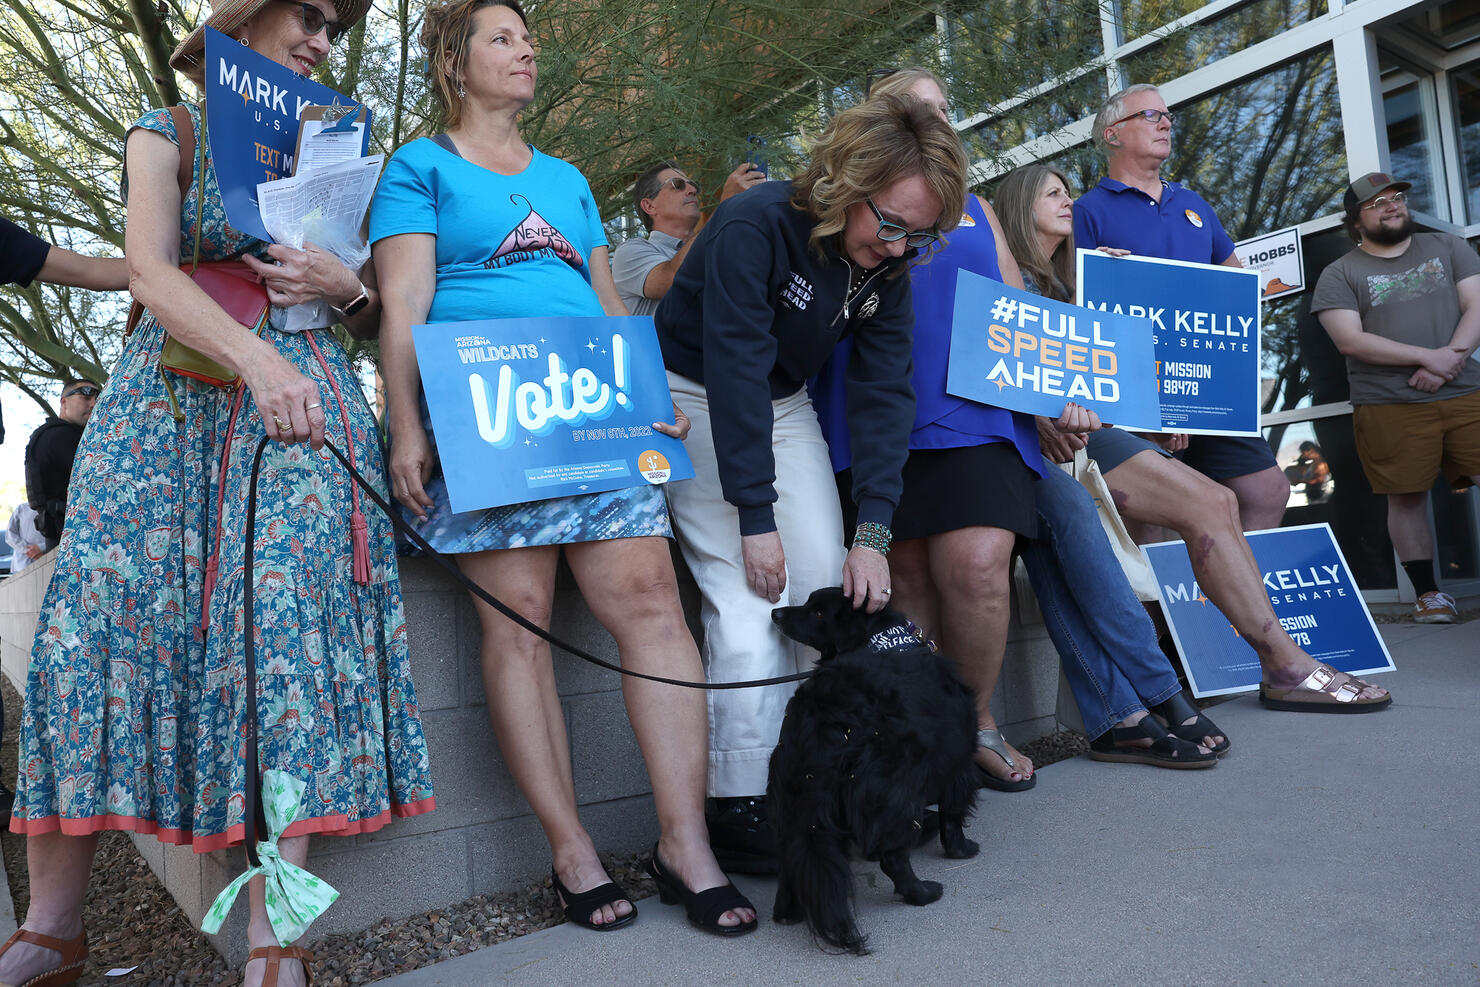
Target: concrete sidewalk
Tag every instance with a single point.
(1323, 849)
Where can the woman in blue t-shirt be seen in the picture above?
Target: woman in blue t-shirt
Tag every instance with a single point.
(476, 224)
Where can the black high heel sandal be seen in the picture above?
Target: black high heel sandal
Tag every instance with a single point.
(704, 908)
(1178, 708)
(578, 908)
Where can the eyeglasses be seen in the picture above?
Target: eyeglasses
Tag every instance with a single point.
(314, 21)
(891, 232)
(679, 184)
(1150, 116)
(87, 392)
(1383, 201)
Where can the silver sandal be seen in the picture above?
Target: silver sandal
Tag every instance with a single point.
(991, 739)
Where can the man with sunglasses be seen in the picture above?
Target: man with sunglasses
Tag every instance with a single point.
(1404, 308)
(49, 455)
(1133, 208)
(667, 202)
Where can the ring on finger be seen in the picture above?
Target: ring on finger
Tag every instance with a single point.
(313, 406)
(278, 422)
(887, 592)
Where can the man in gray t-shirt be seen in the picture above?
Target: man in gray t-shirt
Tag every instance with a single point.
(1404, 308)
(668, 202)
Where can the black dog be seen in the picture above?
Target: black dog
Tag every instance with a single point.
(884, 728)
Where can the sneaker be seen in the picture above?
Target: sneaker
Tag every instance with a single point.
(740, 834)
(1435, 608)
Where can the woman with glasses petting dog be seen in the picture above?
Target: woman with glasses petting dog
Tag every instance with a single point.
(134, 718)
(779, 274)
(454, 241)
(976, 485)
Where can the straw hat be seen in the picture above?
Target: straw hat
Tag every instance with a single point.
(227, 16)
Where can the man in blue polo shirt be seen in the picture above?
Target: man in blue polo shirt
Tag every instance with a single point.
(1223, 486)
(1135, 209)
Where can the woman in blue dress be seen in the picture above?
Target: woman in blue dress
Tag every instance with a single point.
(477, 224)
(134, 718)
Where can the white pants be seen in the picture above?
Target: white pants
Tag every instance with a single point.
(740, 641)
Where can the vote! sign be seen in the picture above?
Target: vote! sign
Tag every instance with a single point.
(530, 409)
(253, 106)
(1314, 597)
(1031, 354)
(1205, 323)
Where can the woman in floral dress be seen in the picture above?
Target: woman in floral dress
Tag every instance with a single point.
(134, 713)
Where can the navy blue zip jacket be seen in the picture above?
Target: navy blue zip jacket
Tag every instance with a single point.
(754, 311)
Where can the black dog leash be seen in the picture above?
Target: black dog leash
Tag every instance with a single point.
(254, 816)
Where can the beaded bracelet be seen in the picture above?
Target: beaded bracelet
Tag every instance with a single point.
(873, 536)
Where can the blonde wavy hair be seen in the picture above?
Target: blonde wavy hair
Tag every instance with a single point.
(445, 30)
(866, 149)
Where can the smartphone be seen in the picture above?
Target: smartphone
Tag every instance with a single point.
(756, 153)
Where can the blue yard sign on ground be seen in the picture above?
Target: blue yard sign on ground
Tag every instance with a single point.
(1314, 597)
(1205, 321)
(253, 106)
(1031, 354)
(530, 409)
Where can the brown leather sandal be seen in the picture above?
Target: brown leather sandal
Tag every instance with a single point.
(274, 956)
(1325, 690)
(74, 957)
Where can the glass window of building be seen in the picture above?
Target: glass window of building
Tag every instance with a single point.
(1466, 83)
(1267, 152)
(1412, 116)
(1205, 42)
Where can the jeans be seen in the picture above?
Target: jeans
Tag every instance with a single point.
(1106, 643)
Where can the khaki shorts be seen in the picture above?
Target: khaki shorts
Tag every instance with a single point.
(1403, 446)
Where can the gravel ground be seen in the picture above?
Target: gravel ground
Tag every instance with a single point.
(133, 921)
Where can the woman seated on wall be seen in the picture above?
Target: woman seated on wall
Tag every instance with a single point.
(1159, 489)
(446, 205)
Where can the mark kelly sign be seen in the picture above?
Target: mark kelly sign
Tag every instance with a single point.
(1205, 324)
(1314, 596)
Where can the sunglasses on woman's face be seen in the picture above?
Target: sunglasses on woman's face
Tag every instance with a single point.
(314, 21)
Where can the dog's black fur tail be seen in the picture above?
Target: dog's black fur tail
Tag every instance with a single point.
(816, 883)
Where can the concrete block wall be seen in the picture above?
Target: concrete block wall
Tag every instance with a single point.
(482, 838)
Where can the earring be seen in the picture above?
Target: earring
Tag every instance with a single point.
(461, 92)
(244, 42)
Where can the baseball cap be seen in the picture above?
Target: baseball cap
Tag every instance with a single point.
(1369, 185)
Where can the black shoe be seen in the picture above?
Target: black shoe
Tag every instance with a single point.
(7, 802)
(740, 834)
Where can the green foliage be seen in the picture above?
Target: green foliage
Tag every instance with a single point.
(622, 84)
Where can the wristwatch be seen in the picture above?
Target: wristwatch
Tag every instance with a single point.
(354, 304)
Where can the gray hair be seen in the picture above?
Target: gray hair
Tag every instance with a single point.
(647, 186)
(1112, 110)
